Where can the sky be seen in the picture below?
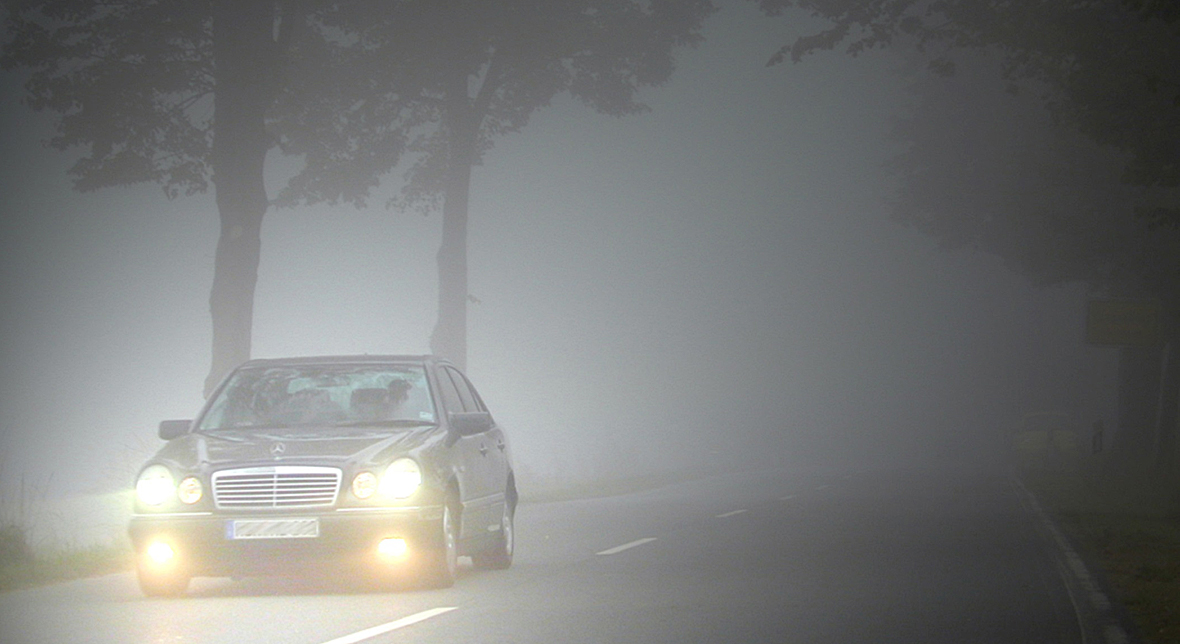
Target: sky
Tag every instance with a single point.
(715, 283)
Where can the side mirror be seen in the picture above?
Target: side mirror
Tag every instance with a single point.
(470, 423)
(170, 429)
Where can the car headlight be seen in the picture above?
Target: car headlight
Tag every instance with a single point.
(190, 490)
(401, 479)
(364, 485)
(155, 485)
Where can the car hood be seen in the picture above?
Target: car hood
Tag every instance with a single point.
(323, 446)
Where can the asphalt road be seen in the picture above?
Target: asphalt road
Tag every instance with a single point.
(771, 556)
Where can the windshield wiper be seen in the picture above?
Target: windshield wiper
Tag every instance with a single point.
(387, 422)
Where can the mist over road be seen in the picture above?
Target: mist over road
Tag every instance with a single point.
(937, 555)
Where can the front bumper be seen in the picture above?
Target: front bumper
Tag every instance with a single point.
(348, 538)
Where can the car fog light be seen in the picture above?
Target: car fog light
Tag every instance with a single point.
(160, 553)
(392, 548)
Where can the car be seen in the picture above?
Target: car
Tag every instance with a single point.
(384, 467)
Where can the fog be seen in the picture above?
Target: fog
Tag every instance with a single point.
(713, 284)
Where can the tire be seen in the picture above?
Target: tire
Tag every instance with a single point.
(499, 556)
(442, 561)
(162, 584)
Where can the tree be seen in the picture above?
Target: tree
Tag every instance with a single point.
(183, 93)
(461, 73)
(1056, 207)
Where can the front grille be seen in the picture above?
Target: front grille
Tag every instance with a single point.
(281, 486)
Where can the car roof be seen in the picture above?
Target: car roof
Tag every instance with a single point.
(342, 359)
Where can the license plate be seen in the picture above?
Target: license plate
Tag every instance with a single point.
(273, 528)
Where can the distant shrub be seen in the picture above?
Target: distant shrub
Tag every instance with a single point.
(14, 546)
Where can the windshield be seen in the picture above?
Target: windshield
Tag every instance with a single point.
(300, 395)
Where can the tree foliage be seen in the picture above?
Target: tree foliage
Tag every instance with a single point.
(990, 170)
(498, 62)
(131, 84)
(1110, 68)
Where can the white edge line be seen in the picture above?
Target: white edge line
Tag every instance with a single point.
(725, 515)
(787, 497)
(391, 626)
(618, 549)
(1062, 553)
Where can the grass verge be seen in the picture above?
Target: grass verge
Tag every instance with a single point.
(23, 565)
(1128, 526)
(65, 564)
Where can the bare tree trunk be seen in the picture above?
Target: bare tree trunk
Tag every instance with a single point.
(244, 56)
(449, 338)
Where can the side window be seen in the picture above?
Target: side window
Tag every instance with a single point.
(474, 394)
(464, 391)
(450, 395)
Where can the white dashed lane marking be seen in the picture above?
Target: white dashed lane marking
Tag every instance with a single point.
(626, 546)
(368, 633)
(729, 514)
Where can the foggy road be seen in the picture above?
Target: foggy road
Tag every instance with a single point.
(657, 235)
(768, 556)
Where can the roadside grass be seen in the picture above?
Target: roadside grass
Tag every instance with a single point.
(33, 549)
(1126, 523)
(65, 564)
(25, 563)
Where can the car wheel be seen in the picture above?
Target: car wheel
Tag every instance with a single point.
(161, 583)
(442, 561)
(499, 556)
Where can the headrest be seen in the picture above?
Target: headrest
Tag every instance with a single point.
(369, 396)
